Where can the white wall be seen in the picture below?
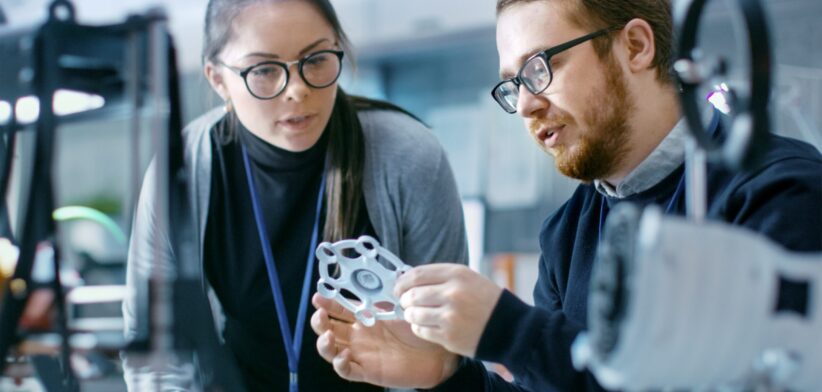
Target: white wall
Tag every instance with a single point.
(375, 21)
(367, 22)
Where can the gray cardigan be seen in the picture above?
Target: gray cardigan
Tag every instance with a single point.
(409, 191)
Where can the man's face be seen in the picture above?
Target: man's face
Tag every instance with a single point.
(582, 117)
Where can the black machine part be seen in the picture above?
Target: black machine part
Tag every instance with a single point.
(747, 140)
(609, 287)
(62, 54)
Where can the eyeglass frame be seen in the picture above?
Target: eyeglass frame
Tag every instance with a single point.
(546, 55)
(243, 72)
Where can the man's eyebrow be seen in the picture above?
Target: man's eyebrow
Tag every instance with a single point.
(504, 75)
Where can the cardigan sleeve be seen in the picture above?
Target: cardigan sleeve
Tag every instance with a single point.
(410, 190)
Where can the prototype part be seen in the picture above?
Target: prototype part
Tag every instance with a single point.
(360, 275)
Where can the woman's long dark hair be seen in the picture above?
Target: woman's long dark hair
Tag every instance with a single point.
(346, 155)
(346, 145)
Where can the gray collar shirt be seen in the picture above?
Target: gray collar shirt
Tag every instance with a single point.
(666, 157)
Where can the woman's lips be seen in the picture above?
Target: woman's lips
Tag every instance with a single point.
(297, 122)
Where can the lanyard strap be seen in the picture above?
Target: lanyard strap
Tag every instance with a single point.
(292, 344)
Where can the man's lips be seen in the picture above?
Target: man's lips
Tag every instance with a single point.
(548, 135)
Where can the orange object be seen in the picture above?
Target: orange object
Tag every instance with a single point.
(504, 266)
(37, 314)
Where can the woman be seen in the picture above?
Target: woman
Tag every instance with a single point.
(293, 160)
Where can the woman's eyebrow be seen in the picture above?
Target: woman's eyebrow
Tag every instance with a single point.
(313, 45)
(275, 56)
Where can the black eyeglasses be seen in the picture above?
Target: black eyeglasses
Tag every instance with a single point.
(536, 74)
(268, 79)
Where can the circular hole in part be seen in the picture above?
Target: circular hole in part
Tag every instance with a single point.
(333, 270)
(385, 306)
(368, 245)
(327, 251)
(350, 296)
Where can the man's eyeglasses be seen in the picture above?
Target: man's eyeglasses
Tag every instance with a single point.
(268, 79)
(536, 74)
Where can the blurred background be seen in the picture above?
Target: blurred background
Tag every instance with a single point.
(436, 58)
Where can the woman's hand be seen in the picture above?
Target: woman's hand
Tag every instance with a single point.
(387, 354)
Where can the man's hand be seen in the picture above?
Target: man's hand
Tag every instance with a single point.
(387, 354)
(447, 304)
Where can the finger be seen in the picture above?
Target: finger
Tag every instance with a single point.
(425, 317)
(430, 334)
(346, 368)
(426, 275)
(334, 309)
(342, 332)
(432, 295)
(326, 346)
(320, 322)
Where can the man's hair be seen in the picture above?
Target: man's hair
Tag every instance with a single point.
(593, 15)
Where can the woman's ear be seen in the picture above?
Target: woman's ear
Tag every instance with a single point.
(638, 37)
(215, 79)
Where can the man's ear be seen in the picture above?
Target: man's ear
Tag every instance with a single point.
(638, 37)
(215, 79)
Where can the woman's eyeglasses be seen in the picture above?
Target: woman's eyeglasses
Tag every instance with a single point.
(268, 79)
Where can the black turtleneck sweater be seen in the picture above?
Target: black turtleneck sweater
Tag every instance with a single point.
(287, 185)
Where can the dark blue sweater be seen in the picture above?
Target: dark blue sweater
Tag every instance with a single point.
(781, 199)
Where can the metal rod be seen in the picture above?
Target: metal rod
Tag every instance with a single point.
(695, 177)
(160, 302)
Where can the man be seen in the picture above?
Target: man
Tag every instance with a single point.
(591, 80)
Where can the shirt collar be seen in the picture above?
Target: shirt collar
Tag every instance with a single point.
(666, 157)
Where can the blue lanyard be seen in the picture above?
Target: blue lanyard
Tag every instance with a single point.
(292, 345)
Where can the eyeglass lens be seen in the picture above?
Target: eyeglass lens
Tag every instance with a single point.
(536, 75)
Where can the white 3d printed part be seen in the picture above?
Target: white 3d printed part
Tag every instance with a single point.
(365, 276)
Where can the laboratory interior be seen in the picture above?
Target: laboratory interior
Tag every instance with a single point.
(369, 195)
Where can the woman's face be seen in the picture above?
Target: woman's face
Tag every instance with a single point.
(277, 31)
